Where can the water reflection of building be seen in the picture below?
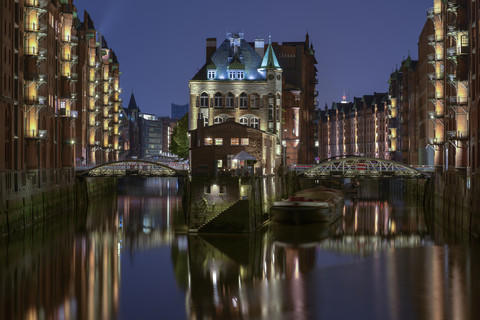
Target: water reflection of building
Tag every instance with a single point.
(150, 210)
(59, 275)
(265, 276)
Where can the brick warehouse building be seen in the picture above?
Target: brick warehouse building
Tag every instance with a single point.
(354, 128)
(297, 60)
(48, 105)
(213, 148)
(239, 82)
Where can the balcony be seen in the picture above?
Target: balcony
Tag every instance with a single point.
(38, 28)
(37, 101)
(36, 134)
(38, 5)
(452, 5)
(431, 13)
(452, 29)
(452, 78)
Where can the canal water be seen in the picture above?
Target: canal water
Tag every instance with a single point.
(128, 257)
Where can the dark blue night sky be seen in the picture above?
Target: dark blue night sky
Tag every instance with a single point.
(161, 44)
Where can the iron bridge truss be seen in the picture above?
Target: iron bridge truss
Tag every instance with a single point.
(132, 168)
(352, 167)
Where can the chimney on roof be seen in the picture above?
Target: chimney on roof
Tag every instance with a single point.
(260, 47)
(211, 47)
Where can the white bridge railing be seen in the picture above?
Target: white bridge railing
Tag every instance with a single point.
(360, 166)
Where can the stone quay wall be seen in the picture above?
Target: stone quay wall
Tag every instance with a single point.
(455, 200)
(34, 206)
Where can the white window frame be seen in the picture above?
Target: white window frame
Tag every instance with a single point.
(211, 74)
(243, 120)
(230, 100)
(218, 100)
(255, 123)
(218, 120)
(242, 101)
(204, 100)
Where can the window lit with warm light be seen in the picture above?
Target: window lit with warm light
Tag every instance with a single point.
(208, 141)
(219, 141)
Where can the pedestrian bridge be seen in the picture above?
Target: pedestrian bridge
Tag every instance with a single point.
(132, 168)
(351, 167)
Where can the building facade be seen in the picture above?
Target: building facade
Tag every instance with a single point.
(99, 97)
(237, 82)
(402, 113)
(297, 60)
(48, 60)
(214, 149)
(357, 128)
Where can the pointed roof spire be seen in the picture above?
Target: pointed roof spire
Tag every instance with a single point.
(132, 104)
(270, 59)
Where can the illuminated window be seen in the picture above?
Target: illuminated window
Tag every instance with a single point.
(208, 141)
(218, 102)
(219, 141)
(255, 123)
(234, 141)
(230, 100)
(211, 74)
(245, 141)
(219, 163)
(243, 100)
(243, 121)
(204, 100)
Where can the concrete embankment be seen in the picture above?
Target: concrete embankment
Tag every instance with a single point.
(37, 206)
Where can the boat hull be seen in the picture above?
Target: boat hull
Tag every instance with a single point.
(301, 214)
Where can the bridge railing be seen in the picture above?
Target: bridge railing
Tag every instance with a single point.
(176, 166)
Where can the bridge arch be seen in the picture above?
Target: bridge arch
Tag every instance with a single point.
(354, 166)
(133, 167)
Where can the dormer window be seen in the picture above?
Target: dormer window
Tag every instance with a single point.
(236, 74)
(211, 74)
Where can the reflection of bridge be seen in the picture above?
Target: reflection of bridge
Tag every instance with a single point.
(351, 166)
(132, 168)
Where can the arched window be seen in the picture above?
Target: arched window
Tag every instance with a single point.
(255, 123)
(230, 100)
(254, 101)
(218, 100)
(218, 120)
(243, 100)
(204, 100)
(244, 121)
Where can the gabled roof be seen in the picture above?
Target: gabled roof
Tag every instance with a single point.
(226, 54)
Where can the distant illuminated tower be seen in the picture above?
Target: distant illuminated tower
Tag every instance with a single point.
(344, 98)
